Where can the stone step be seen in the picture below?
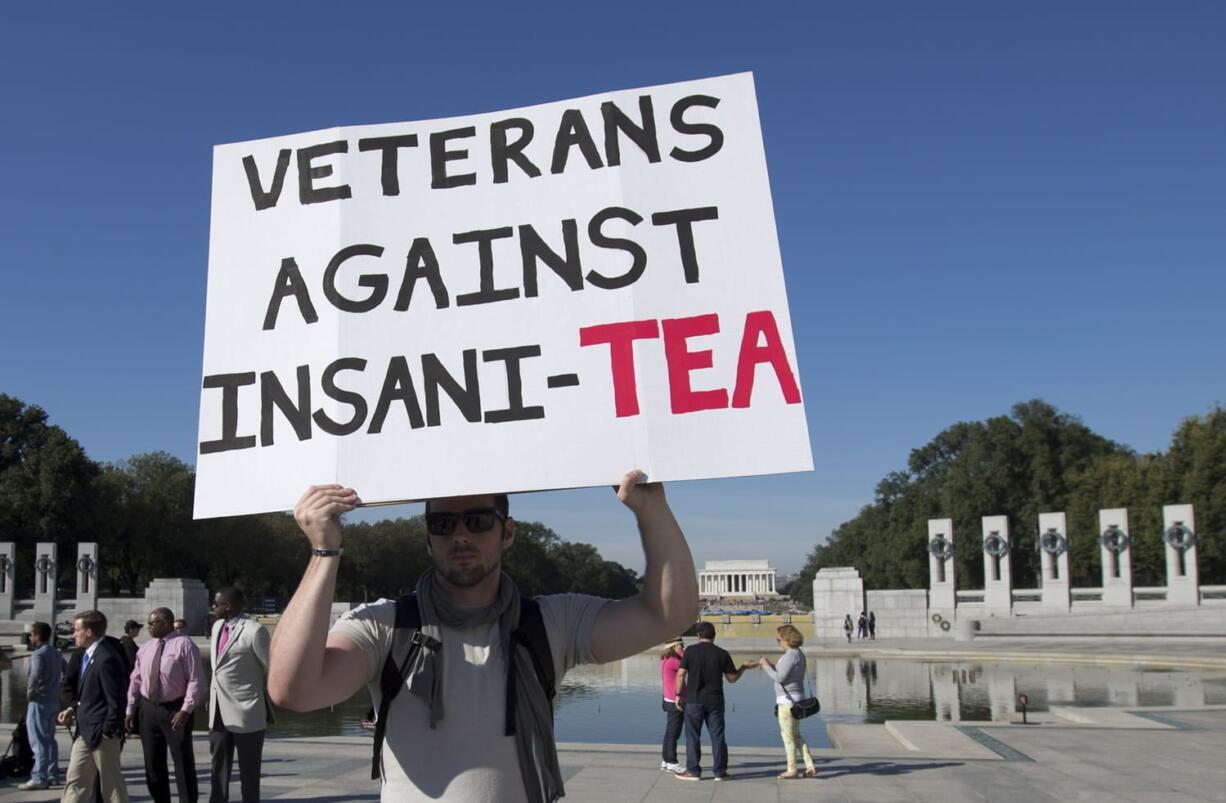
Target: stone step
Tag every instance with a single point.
(937, 740)
(865, 740)
(1105, 718)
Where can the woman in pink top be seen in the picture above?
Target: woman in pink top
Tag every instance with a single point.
(670, 661)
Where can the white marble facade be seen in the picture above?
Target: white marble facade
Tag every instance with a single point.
(737, 578)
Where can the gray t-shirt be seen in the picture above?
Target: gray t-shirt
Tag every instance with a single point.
(466, 757)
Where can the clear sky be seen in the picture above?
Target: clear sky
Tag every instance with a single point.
(977, 204)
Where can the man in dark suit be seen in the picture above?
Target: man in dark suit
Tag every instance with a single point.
(131, 630)
(97, 707)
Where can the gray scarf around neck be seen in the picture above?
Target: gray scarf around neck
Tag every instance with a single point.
(532, 723)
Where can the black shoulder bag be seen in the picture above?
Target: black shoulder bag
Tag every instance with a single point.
(808, 706)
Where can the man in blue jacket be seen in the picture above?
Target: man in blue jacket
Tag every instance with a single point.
(43, 697)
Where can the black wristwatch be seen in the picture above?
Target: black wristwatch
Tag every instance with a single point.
(326, 553)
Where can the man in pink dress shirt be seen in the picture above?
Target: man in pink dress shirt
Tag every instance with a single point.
(163, 692)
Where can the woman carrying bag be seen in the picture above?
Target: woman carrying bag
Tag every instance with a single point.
(789, 677)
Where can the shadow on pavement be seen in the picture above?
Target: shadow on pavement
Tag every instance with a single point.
(883, 768)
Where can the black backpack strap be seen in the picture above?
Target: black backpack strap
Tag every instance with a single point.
(530, 634)
(407, 641)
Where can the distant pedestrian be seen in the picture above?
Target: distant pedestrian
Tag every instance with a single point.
(181, 627)
(862, 626)
(131, 629)
(43, 697)
(848, 627)
(703, 670)
(670, 662)
(163, 692)
(238, 699)
(789, 677)
(872, 625)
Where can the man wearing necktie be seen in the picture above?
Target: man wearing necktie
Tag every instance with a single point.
(163, 692)
(97, 707)
(239, 709)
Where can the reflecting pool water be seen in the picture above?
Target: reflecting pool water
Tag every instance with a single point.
(621, 702)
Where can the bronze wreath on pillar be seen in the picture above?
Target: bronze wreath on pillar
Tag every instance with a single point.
(1180, 537)
(996, 546)
(941, 548)
(1053, 542)
(1114, 539)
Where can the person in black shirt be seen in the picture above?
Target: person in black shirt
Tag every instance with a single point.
(131, 630)
(704, 668)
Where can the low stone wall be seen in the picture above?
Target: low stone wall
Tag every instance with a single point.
(838, 591)
(901, 613)
(187, 599)
(1201, 621)
(761, 626)
(120, 609)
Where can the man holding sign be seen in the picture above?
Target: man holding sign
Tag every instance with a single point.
(596, 281)
(474, 721)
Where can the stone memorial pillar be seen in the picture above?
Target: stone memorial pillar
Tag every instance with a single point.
(997, 578)
(188, 598)
(8, 572)
(1053, 552)
(1116, 557)
(87, 577)
(1179, 541)
(942, 596)
(836, 593)
(45, 572)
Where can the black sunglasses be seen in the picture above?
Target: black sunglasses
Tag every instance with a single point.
(478, 520)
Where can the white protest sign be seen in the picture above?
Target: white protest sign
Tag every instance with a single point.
(530, 299)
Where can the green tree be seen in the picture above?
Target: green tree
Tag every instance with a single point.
(1021, 464)
(383, 559)
(530, 560)
(46, 481)
(1196, 473)
(147, 530)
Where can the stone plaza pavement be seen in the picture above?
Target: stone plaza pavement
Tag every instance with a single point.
(1086, 754)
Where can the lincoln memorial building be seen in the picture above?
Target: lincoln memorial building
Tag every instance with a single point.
(737, 578)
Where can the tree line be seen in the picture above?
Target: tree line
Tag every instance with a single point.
(139, 510)
(1035, 460)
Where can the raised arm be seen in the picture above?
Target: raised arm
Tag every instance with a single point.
(309, 669)
(668, 603)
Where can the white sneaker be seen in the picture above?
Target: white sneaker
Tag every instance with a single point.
(31, 785)
(674, 767)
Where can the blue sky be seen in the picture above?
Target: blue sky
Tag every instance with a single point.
(977, 204)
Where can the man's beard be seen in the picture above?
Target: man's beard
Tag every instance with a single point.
(466, 576)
